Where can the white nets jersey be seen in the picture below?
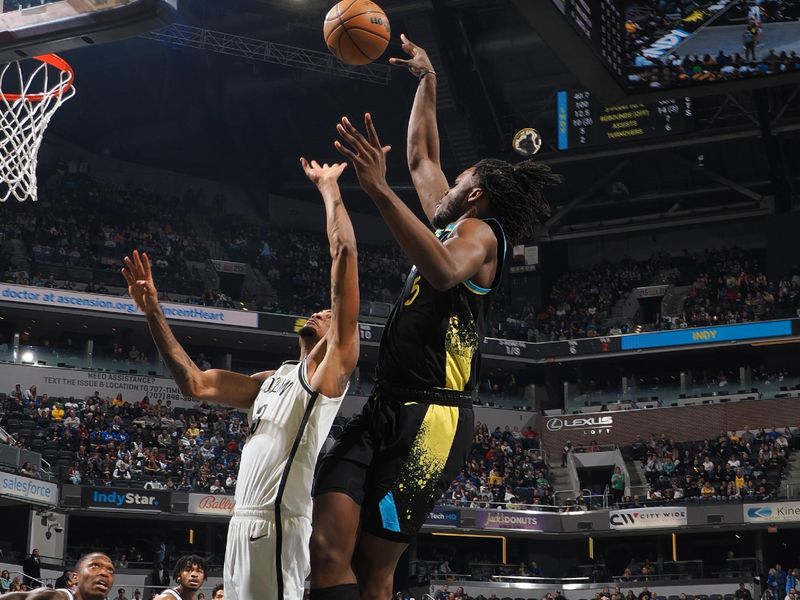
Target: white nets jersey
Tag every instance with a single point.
(289, 423)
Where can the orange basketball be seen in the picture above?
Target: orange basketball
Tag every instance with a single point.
(356, 31)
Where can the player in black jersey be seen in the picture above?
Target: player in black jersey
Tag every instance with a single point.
(378, 483)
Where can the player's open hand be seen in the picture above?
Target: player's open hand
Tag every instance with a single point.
(366, 154)
(321, 175)
(139, 277)
(418, 64)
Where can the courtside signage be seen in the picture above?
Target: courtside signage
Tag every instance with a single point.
(648, 518)
(509, 519)
(21, 294)
(444, 517)
(211, 504)
(31, 490)
(771, 512)
(707, 335)
(125, 499)
(77, 383)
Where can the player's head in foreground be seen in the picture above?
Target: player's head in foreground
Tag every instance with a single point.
(95, 576)
(314, 330)
(511, 193)
(190, 572)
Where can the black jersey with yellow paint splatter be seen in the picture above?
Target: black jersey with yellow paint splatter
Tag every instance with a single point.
(432, 338)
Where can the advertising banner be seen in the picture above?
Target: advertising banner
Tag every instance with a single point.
(30, 490)
(707, 335)
(648, 518)
(211, 504)
(509, 519)
(22, 294)
(771, 512)
(77, 383)
(126, 499)
(444, 517)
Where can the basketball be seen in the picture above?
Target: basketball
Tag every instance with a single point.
(356, 31)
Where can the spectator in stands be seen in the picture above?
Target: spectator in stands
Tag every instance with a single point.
(32, 568)
(64, 582)
(617, 485)
(160, 577)
(5, 581)
(743, 593)
(57, 413)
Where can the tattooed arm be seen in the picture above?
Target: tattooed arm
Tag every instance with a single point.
(214, 385)
(342, 350)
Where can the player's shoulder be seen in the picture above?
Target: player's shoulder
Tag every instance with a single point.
(262, 376)
(474, 228)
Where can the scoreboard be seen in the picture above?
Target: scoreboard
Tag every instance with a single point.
(601, 24)
(583, 122)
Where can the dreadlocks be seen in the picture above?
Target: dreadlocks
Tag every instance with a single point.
(516, 194)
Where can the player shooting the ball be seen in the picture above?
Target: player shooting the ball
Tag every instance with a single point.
(290, 412)
(393, 461)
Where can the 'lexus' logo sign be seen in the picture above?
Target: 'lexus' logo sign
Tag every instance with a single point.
(589, 425)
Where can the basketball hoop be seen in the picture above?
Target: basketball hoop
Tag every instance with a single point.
(29, 95)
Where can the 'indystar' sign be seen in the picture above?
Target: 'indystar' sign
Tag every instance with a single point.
(126, 500)
(771, 512)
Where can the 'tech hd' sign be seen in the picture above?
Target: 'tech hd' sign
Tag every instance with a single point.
(126, 500)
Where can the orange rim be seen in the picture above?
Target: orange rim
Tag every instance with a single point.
(54, 61)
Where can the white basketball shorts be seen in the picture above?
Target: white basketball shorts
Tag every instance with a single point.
(263, 561)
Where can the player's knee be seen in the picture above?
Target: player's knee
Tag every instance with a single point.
(326, 553)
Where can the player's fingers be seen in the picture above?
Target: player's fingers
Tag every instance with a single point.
(137, 261)
(408, 43)
(399, 62)
(131, 264)
(353, 137)
(371, 131)
(344, 151)
(315, 164)
(304, 163)
(386, 150)
(148, 273)
(128, 277)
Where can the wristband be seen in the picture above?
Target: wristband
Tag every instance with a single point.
(427, 72)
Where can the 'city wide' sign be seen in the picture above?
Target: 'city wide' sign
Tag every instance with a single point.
(663, 517)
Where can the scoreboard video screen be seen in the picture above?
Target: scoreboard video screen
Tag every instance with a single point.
(584, 122)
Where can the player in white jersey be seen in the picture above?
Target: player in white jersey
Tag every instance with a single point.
(190, 575)
(291, 411)
(95, 576)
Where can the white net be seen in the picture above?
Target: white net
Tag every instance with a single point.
(30, 92)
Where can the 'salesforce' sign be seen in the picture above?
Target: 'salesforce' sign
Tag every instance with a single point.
(126, 500)
(648, 518)
(589, 425)
(25, 488)
(771, 512)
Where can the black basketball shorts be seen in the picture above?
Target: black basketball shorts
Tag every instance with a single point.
(398, 456)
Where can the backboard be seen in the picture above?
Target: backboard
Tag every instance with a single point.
(31, 27)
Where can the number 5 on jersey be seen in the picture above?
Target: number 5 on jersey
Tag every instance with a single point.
(414, 291)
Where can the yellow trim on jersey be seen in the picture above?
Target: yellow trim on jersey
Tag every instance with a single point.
(460, 344)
